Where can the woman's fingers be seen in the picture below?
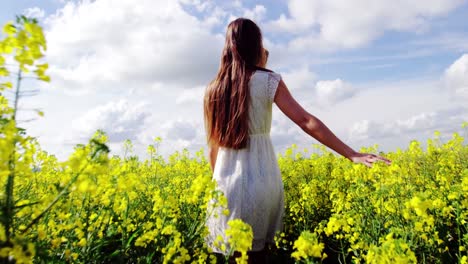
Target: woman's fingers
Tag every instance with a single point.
(371, 158)
(387, 161)
(368, 164)
(383, 159)
(368, 159)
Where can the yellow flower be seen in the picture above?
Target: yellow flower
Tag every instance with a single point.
(307, 246)
(240, 236)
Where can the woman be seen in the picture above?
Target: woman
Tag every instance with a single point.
(237, 113)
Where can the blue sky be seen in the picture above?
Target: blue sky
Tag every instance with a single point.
(375, 72)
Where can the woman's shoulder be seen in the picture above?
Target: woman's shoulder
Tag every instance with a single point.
(267, 73)
(267, 79)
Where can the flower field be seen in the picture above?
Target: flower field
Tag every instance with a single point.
(413, 211)
(98, 208)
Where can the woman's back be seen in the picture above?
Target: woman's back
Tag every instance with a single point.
(262, 88)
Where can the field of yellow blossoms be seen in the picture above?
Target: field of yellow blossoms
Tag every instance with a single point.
(97, 208)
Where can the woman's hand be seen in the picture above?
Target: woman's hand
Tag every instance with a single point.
(367, 159)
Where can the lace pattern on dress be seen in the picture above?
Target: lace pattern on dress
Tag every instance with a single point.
(272, 85)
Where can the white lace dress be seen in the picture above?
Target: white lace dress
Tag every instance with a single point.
(250, 178)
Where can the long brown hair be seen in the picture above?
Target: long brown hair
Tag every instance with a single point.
(226, 101)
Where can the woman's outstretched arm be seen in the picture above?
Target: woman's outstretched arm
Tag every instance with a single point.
(317, 129)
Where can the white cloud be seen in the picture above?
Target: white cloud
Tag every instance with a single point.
(179, 130)
(360, 130)
(257, 13)
(445, 41)
(425, 123)
(34, 12)
(193, 95)
(456, 77)
(145, 44)
(332, 92)
(120, 120)
(334, 24)
(155, 52)
(300, 78)
(175, 133)
(418, 122)
(200, 5)
(284, 132)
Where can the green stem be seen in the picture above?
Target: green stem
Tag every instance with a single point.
(9, 206)
(18, 85)
(342, 251)
(9, 198)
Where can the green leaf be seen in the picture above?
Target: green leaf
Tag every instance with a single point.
(25, 205)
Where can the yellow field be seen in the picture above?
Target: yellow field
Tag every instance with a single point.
(96, 208)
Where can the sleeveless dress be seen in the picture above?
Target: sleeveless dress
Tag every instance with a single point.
(250, 178)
